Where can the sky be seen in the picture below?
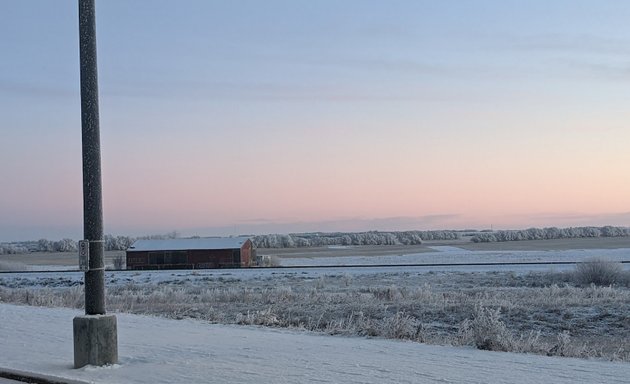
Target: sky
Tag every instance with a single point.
(239, 117)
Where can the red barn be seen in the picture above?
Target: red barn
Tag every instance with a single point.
(212, 252)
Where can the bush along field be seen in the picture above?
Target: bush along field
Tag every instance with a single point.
(323, 239)
(581, 313)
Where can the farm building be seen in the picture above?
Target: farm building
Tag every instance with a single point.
(230, 252)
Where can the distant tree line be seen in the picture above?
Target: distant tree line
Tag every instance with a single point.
(294, 240)
(319, 239)
(112, 243)
(10, 248)
(550, 233)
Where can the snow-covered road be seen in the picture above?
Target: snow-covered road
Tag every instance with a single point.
(156, 350)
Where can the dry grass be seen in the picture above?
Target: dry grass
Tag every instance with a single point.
(119, 262)
(536, 313)
(601, 272)
(13, 266)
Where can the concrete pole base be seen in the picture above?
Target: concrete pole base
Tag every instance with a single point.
(95, 340)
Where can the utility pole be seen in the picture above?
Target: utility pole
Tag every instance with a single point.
(91, 143)
(95, 334)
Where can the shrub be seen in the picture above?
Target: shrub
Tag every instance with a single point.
(119, 262)
(400, 326)
(268, 261)
(486, 330)
(598, 272)
(265, 317)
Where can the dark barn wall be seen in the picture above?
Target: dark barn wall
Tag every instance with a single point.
(195, 259)
(137, 259)
(211, 258)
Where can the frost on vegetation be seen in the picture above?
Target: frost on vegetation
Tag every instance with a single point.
(601, 272)
(68, 297)
(269, 261)
(121, 243)
(494, 311)
(112, 243)
(486, 330)
(10, 249)
(264, 317)
(118, 262)
(319, 239)
(550, 233)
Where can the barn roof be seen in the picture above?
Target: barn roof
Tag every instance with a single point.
(188, 244)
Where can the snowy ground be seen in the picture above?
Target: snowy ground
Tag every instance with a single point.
(192, 350)
(156, 350)
(440, 255)
(451, 254)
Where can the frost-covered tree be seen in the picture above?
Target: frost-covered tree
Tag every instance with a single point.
(11, 249)
(319, 239)
(609, 231)
(117, 243)
(44, 245)
(287, 241)
(65, 245)
(551, 233)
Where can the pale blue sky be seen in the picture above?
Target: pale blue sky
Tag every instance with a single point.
(236, 116)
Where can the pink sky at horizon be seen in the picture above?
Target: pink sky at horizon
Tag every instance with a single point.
(332, 116)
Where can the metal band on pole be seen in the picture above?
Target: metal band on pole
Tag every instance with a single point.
(92, 196)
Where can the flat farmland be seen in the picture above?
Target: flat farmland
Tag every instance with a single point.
(456, 252)
(461, 250)
(540, 309)
(464, 243)
(550, 245)
(57, 260)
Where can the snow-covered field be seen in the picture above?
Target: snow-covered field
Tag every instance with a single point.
(455, 255)
(528, 308)
(157, 350)
(440, 255)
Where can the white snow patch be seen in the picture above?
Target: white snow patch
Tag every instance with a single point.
(447, 248)
(156, 350)
(456, 255)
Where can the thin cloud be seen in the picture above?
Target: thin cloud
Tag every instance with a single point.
(565, 219)
(357, 224)
(622, 218)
